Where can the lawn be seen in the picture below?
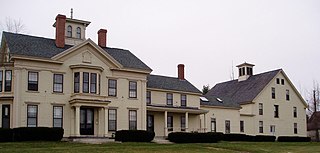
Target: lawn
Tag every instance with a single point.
(222, 147)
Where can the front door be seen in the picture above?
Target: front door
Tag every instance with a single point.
(86, 121)
(150, 123)
(5, 116)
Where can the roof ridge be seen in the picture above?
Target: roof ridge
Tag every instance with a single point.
(165, 76)
(42, 37)
(262, 73)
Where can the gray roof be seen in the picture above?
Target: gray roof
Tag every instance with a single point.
(26, 45)
(170, 83)
(233, 93)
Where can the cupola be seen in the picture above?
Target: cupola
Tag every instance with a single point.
(245, 71)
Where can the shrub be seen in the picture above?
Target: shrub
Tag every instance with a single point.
(184, 137)
(6, 135)
(38, 134)
(134, 136)
(293, 139)
(264, 138)
(237, 137)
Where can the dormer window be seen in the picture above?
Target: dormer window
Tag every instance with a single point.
(79, 33)
(69, 31)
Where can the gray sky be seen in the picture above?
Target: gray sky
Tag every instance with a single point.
(205, 35)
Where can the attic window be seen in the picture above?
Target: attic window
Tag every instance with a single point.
(69, 31)
(219, 100)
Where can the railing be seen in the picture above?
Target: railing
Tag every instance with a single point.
(179, 129)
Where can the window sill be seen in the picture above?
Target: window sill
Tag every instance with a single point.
(133, 98)
(32, 91)
(113, 97)
(57, 93)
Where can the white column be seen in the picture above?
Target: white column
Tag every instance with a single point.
(106, 122)
(205, 122)
(77, 120)
(165, 123)
(187, 121)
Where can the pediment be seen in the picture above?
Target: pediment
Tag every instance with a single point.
(87, 52)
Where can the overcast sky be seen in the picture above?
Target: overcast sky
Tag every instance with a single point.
(205, 35)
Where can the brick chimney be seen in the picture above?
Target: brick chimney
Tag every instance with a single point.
(60, 30)
(181, 72)
(102, 38)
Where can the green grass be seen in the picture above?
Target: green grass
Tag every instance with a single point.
(222, 147)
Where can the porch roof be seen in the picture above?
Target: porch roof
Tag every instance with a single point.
(175, 109)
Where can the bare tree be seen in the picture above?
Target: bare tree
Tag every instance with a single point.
(314, 100)
(12, 25)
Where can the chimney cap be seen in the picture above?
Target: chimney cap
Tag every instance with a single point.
(102, 31)
(61, 16)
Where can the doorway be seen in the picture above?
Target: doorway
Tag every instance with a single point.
(86, 121)
(150, 123)
(6, 116)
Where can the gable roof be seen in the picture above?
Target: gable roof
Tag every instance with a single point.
(170, 83)
(33, 46)
(233, 93)
(314, 121)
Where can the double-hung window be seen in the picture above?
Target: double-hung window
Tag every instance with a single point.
(227, 126)
(93, 83)
(57, 116)
(1, 80)
(8, 80)
(132, 89)
(241, 126)
(148, 97)
(58, 83)
(112, 123)
(76, 82)
(295, 128)
(287, 95)
(170, 123)
(276, 111)
(183, 100)
(79, 33)
(295, 112)
(260, 108)
(183, 123)
(112, 87)
(33, 81)
(273, 93)
(32, 115)
(69, 31)
(169, 99)
(132, 120)
(85, 84)
(260, 126)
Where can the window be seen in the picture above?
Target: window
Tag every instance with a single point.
(240, 72)
(260, 108)
(260, 126)
(272, 129)
(170, 123)
(1, 77)
(282, 81)
(295, 112)
(93, 83)
(85, 85)
(76, 82)
(148, 97)
(287, 95)
(8, 81)
(79, 32)
(273, 93)
(112, 87)
(227, 126)
(33, 81)
(249, 71)
(213, 125)
(57, 116)
(132, 89)
(183, 100)
(183, 123)
(32, 116)
(132, 120)
(112, 119)
(295, 128)
(278, 81)
(57, 82)
(169, 99)
(69, 31)
(276, 111)
(241, 126)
